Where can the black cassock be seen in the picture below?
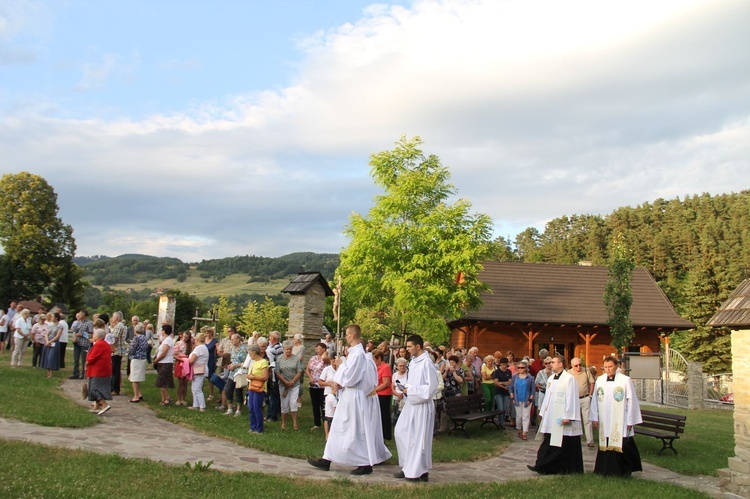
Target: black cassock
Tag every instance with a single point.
(613, 463)
(564, 460)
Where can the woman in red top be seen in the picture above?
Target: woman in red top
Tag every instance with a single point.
(99, 372)
(384, 391)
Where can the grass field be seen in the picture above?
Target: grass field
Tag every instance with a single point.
(200, 287)
(38, 471)
(27, 395)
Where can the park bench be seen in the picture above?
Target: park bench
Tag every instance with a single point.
(465, 408)
(662, 425)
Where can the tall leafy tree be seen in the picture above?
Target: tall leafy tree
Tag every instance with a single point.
(36, 242)
(68, 286)
(264, 317)
(415, 256)
(618, 296)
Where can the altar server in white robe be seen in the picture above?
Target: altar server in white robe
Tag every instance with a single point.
(377, 451)
(560, 451)
(349, 439)
(414, 428)
(614, 411)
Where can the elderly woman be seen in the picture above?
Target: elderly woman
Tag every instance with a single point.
(258, 373)
(21, 332)
(211, 343)
(398, 382)
(288, 371)
(39, 337)
(522, 397)
(231, 394)
(541, 383)
(199, 360)
(453, 377)
(384, 391)
(298, 350)
(50, 352)
(138, 356)
(314, 370)
(99, 372)
(151, 338)
(164, 363)
(488, 383)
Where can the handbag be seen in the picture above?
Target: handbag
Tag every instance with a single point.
(240, 379)
(199, 369)
(257, 385)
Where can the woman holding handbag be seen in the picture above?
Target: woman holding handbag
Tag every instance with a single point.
(256, 388)
(199, 360)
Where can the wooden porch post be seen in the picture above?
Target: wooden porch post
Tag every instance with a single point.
(531, 336)
(587, 338)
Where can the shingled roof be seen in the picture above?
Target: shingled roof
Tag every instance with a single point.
(735, 312)
(567, 294)
(304, 280)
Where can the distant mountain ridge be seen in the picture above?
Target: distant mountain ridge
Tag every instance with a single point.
(103, 270)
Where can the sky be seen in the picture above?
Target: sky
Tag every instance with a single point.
(205, 130)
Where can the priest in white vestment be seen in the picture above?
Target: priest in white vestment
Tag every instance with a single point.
(614, 411)
(560, 451)
(415, 424)
(350, 438)
(377, 450)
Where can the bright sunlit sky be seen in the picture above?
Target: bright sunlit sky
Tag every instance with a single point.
(209, 129)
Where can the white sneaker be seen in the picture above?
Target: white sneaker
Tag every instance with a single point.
(237, 413)
(229, 412)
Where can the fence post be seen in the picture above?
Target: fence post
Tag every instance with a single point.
(695, 385)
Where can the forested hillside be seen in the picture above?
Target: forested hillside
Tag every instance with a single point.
(271, 268)
(697, 248)
(131, 269)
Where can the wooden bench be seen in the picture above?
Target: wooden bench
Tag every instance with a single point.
(465, 408)
(662, 425)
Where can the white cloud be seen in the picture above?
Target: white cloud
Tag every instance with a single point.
(95, 74)
(539, 108)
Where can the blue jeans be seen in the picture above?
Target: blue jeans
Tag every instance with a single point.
(502, 403)
(255, 410)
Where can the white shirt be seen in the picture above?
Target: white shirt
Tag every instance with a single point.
(3, 322)
(65, 329)
(23, 325)
(169, 357)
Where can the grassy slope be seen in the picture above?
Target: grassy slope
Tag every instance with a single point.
(194, 284)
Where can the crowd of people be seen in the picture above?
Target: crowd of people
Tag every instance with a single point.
(381, 391)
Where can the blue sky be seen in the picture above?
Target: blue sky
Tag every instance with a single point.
(203, 130)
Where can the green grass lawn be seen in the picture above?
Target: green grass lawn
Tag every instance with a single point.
(28, 395)
(38, 471)
(705, 446)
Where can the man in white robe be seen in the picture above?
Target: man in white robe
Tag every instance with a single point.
(377, 450)
(560, 451)
(415, 424)
(614, 411)
(350, 439)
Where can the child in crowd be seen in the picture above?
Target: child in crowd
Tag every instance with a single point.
(226, 359)
(330, 392)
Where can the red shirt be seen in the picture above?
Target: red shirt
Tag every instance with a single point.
(99, 360)
(384, 371)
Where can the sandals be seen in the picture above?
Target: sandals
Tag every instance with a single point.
(168, 402)
(523, 437)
